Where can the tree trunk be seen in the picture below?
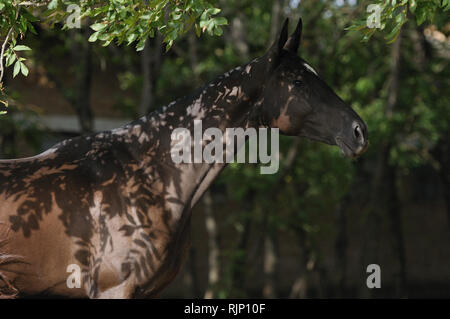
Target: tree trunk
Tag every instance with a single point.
(213, 246)
(301, 284)
(392, 202)
(394, 213)
(313, 275)
(193, 56)
(240, 267)
(192, 274)
(342, 245)
(358, 196)
(8, 143)
(270, 263)
(150, 66)
(81, 51)
(277, 8)
(271, 251)
(441, 153)
(147, 86)
(8, 136)
(239, 36)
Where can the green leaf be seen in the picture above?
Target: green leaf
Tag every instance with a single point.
(141, 45)
(10, 60)
(31, 28)
(421, 16)
(98, 26)
(53, 4)
(93, 37)
(169, 45)
(176, 16)
(28, 16)
(24, 69)
(213, 11)
(446, 5)
(132, 37)
(16, 69)
(356, 26)
(21, 48)
(220, 21)
(413, 6)
(198, 30)
(218, 31)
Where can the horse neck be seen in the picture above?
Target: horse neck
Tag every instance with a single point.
(226, 102)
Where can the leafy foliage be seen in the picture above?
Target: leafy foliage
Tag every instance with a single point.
(393, 14)
(120, 21)
(134, 21)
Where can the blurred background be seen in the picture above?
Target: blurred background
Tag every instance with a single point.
(311, 230)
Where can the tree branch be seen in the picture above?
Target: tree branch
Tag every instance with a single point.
(2, 53)
(32, 4)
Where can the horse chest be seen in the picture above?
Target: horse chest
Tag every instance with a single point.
(146, 251)
(169, 260)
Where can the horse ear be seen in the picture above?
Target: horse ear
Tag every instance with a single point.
(283, 35)
(277, 46)
(293, 42)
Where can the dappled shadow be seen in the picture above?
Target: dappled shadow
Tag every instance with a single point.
(126, 173)
(122, 170)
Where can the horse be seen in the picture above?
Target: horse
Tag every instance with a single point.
(114, 203)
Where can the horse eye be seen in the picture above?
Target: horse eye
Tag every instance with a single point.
(298, 83)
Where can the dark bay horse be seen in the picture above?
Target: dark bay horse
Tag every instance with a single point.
(115, 204)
